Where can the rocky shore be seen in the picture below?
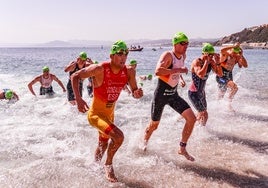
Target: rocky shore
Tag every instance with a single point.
(254, 45)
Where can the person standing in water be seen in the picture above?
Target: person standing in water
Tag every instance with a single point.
(229, 57)
(169, 69)
(200, 68)
(90, 84)
(45, 80)
(81, 62)
(132, 64)
(109, 79)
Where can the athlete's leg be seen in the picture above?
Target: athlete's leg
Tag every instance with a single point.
(153, 125)
(187, 131)
(101, 148)
(117, 138)
(233, 89)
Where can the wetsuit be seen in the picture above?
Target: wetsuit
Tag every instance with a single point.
(196, 91)
(90, 87)
(70, 92)
(222, 81)
(46, 87)
(101, 112)
(166, 92)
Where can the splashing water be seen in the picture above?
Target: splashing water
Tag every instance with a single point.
(46, 142)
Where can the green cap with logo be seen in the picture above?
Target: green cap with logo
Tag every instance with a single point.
(150, 76)
(237, 50)
(133, 62)
(118, 46)
(208, 48)
(9, 94)
(45, 69)
(179, 37)
(83, 56)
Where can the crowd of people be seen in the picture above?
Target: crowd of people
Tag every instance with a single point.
(108, 79)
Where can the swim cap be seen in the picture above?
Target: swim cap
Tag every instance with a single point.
(95, 62)
(118, 46)
(83, 56)
(149, 76)
(45, 69)
(208, 48)
(237, 50)
(133, 62)
(9, 94)
(179, 37)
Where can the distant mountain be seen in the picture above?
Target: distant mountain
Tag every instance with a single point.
(90, 43)
(256, 36)
(55, 43)
(253, 36)
(167, 42)
(141, 42)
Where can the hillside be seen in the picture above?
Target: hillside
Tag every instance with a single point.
(256, 36)
(253, 37)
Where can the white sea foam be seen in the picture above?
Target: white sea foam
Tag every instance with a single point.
(46, 142)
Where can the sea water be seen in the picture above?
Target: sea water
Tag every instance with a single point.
(46, 142)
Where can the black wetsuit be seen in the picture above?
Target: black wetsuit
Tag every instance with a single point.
(222, 81)
(48, 91)
(165, 94)
(198, 98)
(70, 92)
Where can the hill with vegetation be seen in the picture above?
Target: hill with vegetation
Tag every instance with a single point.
(253, 37)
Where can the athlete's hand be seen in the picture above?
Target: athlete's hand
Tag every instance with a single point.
(138, 93)
(217, 57)
(82, 106)
(182, 83)
(184, 70)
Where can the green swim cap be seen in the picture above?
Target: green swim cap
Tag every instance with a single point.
(179, 37)
(149, 76)
(133, 62)
(208, 48)
(237, 50)
(9, 94)
(83, 56)
(95, 62)
(118, 46)
(45, 69)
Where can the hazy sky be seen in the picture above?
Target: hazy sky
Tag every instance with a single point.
(38, 21)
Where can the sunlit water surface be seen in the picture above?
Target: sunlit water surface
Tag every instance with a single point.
(45, 142)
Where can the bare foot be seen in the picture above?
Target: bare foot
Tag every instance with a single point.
(110, 173)
(144, 147)
(202, 121)
(183, 152)
(231, 108)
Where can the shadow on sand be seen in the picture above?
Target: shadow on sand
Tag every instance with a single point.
(252, 117)
(260, 147)
(255, 179)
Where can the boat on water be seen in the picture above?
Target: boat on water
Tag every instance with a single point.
(135, 49)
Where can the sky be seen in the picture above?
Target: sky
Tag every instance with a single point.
(40, 21)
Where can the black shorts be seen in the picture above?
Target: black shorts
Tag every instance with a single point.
(223, 81)
(48, 91)
(70, 92)
(198, 99)
(165, 94)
